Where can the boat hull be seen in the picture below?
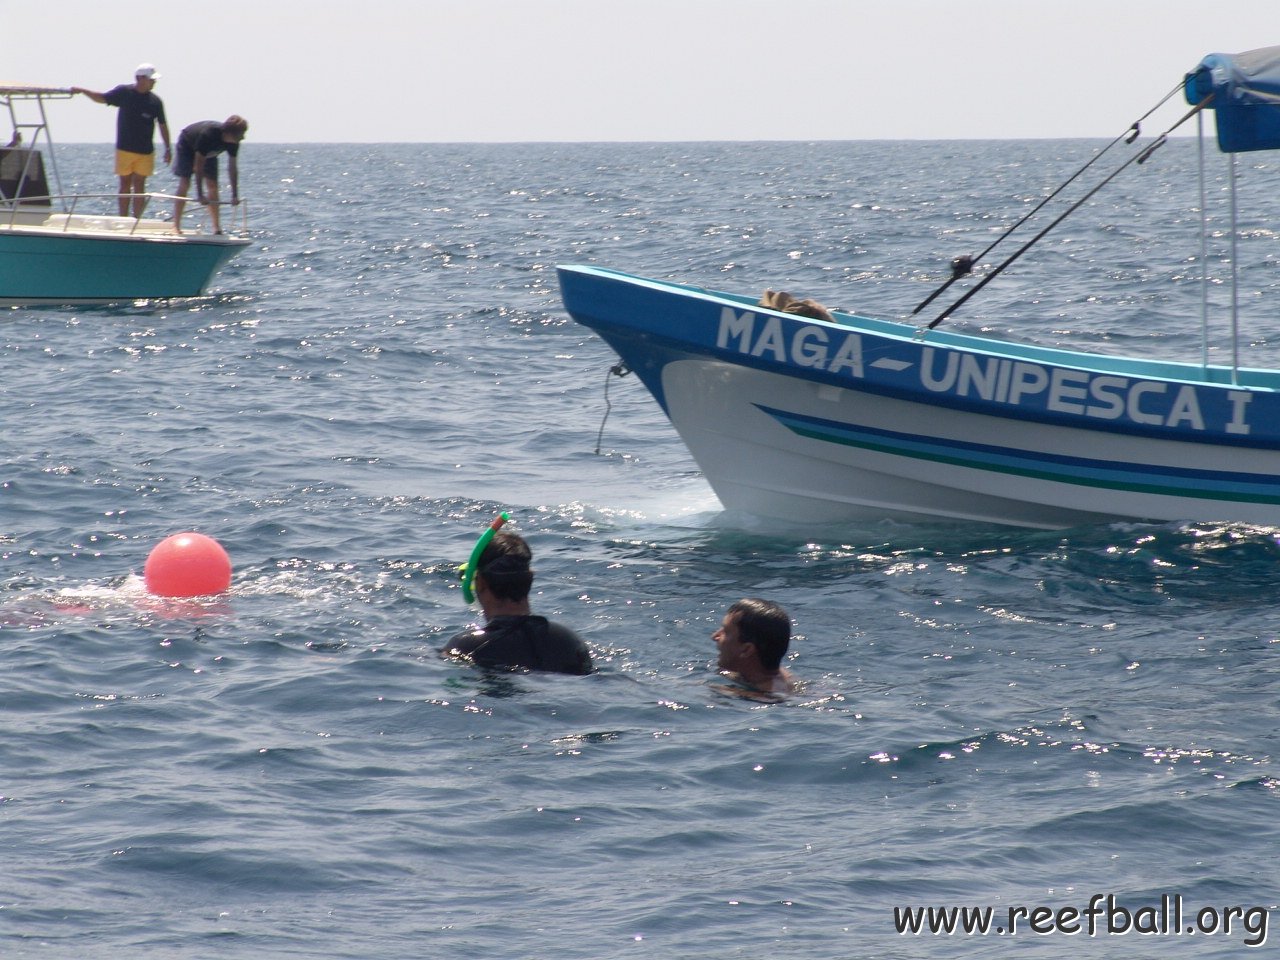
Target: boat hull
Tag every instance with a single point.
(809, 421)
(40, 264)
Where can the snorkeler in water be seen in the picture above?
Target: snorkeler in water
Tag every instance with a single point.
(499, 576)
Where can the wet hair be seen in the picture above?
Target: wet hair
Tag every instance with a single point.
(236, 124)
(505, 566)
(766, 626)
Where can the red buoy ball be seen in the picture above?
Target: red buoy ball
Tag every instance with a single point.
(187, 565)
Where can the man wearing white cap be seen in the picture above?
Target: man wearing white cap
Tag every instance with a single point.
(140, 111)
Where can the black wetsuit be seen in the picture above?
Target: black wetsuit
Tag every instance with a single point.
(531, 643)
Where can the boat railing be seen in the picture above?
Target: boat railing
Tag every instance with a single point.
(60, 209)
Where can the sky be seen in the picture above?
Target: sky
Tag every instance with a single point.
(404, 71)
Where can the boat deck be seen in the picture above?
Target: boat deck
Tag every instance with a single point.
(35, 219)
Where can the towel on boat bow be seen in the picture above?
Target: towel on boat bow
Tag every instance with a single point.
(785, 302)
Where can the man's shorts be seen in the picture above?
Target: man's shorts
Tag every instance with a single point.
(185, 160)
(137, 164)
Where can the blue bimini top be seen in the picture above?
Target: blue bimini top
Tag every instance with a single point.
(1246, 97)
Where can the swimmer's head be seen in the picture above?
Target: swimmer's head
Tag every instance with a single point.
(764, 625)
(505, 564)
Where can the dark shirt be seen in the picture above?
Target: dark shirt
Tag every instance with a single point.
(205, 137)
(137, 117)
(530, 643)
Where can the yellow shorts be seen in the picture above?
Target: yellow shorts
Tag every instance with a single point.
(139, 164)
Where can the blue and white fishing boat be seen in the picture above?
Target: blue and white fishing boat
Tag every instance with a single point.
(54, 248)
(811, 420)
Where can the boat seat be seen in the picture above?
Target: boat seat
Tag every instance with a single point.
(22, 176)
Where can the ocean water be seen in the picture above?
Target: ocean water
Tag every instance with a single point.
(989, 717)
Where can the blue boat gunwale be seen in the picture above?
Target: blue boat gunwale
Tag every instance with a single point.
(1256, 379)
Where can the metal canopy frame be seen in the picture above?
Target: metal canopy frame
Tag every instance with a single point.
(30, 126)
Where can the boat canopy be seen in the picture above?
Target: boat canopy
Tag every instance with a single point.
(1246, 97)
(32, 90)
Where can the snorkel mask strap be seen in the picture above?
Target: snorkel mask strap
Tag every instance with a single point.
(469, 571)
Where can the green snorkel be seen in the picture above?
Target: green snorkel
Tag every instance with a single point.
(468, 572)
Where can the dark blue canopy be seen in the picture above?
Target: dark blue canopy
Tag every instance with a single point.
(1246, 97)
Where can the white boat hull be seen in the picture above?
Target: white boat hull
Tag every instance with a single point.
(717, 410)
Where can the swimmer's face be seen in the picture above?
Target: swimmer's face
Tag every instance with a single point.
(734, 651)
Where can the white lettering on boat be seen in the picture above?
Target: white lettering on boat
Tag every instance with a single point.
(737, 327)
(849, 356)
(1028, 380)
(1136, 393)
(1186, 409)
(1003, 380)
(771, 340)
(809, 348)
(810, 345)
(1107, 392)
(1104, 397)
(1068, 389)
(1239, 399)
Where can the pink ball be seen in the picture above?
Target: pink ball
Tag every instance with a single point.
(187, 565)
